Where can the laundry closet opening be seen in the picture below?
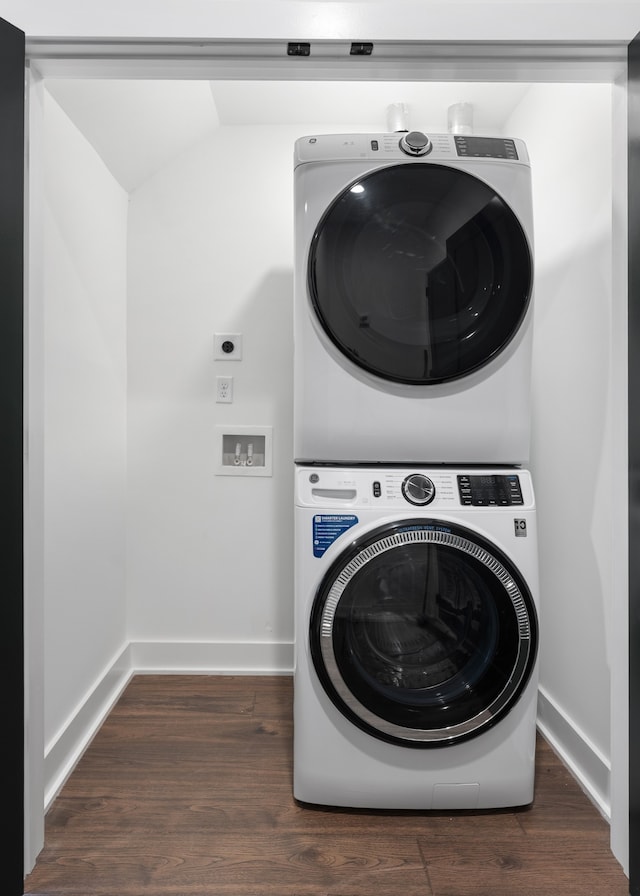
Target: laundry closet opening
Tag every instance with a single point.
(168, 219)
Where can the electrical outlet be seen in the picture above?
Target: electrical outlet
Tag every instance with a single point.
(224, 389)
(227, 346)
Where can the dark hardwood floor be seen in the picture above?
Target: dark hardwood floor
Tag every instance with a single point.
(186, 789)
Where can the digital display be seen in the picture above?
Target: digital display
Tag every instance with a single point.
(486, 147)
(489, 488)
(486, 491)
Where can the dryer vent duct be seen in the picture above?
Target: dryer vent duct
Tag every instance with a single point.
(397, 118)
(460, 118)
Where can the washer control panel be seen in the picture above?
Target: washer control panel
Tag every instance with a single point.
(399, 488)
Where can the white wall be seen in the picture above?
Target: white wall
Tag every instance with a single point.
(210, 557)
(210, 245)
(84, 239)
(568, 132)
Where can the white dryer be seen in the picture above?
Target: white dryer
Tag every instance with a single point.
(413, 291)
(415, 683)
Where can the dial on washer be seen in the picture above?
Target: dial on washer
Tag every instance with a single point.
(418, 489)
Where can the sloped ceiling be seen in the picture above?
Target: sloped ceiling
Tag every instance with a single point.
(138, 126)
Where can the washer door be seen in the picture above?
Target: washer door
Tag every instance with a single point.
(420, 273)
(422, 634)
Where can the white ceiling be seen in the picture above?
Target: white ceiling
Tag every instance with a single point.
(138, 126)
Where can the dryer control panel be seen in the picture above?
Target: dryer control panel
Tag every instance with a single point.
(400, 147)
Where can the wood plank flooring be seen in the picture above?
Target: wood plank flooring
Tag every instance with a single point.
(186, 791)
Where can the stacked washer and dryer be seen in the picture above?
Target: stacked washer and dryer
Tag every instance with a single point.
(416, 586)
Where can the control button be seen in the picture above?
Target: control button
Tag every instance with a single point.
(415, 143)
(418, 489)
(464, 490)
(375, 146)
(377, 489)
(515, 492)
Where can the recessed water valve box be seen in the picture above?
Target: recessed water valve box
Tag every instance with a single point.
(244, 450)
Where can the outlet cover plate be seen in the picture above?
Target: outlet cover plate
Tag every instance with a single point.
(224, 389)
(227, 346)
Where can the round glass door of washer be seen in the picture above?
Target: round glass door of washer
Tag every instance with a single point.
(423, 634)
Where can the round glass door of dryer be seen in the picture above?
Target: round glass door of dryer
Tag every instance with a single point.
(420, 273)
(422, 634)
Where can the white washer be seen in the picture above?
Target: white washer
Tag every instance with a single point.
(415, 683)
(413, 292)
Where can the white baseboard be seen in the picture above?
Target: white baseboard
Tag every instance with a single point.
(146, 657)
(584, 760)
(212, 658)
(591, 769)
(65, 749)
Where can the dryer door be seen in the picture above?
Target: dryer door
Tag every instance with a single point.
(423, 634)
(420, 273)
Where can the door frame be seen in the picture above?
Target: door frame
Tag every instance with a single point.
(12, 461)
(633, 140)
(429, 61)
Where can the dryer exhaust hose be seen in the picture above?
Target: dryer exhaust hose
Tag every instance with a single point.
(397, 118)
(460, 118)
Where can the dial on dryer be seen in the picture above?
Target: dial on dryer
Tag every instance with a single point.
(416, 144)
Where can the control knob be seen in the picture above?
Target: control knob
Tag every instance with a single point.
(418, 489)
(415, 143)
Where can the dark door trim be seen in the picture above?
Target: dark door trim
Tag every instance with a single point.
(12, 59)
(11, 357)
